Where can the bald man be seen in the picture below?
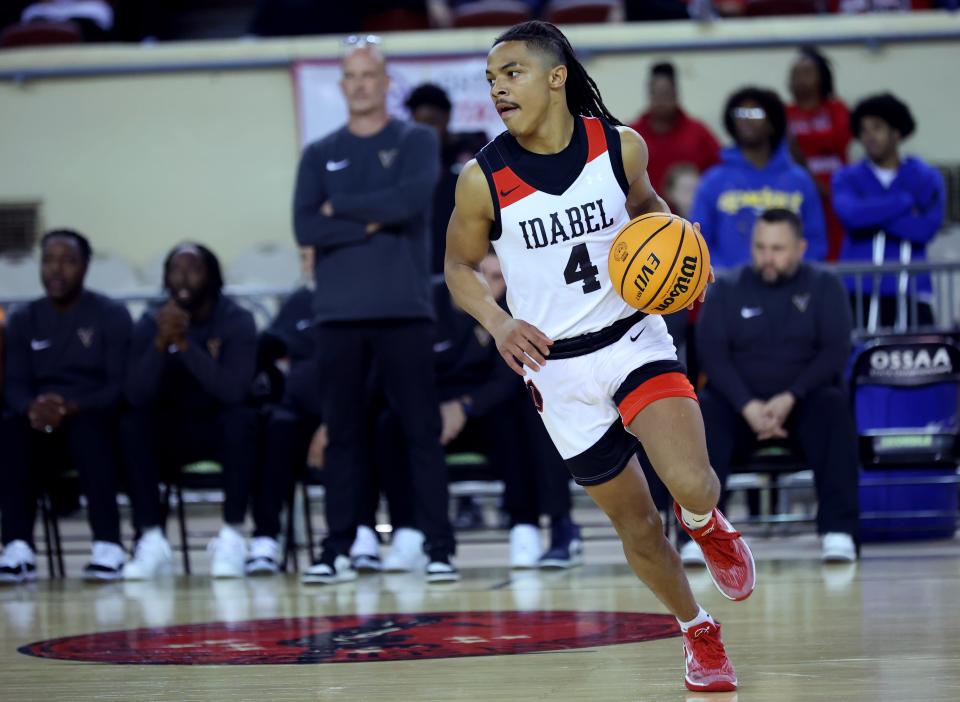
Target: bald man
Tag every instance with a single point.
(363, 200)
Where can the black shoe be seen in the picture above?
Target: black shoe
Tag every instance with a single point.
(441, 570)
(330, 569)
(566, 546)
(469, 514)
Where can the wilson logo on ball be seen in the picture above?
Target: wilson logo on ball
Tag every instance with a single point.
(681, 284)
(666, 266)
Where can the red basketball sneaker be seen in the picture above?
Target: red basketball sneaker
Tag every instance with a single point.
(728, 557)
(707, 667)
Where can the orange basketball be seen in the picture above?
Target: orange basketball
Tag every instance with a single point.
(659, 263)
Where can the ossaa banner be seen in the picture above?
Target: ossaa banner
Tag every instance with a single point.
(321, 108)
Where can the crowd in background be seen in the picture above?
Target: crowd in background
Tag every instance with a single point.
(137, 20)
(372, 384)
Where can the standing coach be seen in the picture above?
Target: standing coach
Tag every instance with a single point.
(362, 200)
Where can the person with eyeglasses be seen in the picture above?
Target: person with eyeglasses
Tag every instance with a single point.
(755, 174)
(363, 201)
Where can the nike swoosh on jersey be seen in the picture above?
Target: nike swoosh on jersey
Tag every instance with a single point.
(442, 346)
(338, 165)
(750, 312)
(304, 324)
(505, 193)
(40, 344)
(634, 338)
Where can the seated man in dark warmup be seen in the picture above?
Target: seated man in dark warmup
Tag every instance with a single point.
(64, 380)
(774, 339)
(190, 371)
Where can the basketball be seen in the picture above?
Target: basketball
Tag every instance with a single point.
(659, 264)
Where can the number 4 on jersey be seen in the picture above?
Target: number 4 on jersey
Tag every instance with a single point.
(580, 267)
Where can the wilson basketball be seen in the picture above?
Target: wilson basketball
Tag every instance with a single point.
(659, 263)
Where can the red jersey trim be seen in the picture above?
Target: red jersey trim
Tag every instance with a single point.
(657, 388)
(596, 139)
(510, 187)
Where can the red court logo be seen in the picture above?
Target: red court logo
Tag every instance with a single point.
(356, 639)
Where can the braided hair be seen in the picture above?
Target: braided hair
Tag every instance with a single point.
(583, 95)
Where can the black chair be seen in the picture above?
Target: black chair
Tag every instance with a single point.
(772, 463)
(51, 537)
(201, 475)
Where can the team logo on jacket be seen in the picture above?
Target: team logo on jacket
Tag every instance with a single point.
(213, 346)
(483, 336)
(86, 336)
(801, 301)
(360, 639)
(387, 157)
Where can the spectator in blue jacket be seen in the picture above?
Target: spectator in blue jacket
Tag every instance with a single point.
(755, 175)
(891, 206)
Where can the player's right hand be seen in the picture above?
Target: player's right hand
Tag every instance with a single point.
(521, 344)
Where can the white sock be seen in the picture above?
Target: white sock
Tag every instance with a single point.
(152, 532)
(701, 617)
(694, 521)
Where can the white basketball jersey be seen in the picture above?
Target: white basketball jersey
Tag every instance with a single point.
(553, 248)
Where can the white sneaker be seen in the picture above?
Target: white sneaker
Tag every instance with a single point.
(18, 563)
(325, 573)
(228, 553)
(152, 557)
(365, 551)
(838, 548)
(106, 562)
(692, 555)
(406, 552)
(263, 557)
(525, 547)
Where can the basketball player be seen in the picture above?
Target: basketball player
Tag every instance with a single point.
(551, 193)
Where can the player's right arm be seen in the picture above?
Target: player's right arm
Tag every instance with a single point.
(468, 241)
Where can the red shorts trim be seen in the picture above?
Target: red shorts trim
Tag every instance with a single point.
(661, 386)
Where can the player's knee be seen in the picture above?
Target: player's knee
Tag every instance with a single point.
(699, 490)
(638, 530)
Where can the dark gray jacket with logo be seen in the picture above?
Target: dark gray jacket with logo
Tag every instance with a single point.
(387, 179)
(756, 340)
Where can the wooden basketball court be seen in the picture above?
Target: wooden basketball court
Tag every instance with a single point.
(885, 629)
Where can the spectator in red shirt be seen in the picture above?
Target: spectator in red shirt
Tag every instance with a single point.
(672, 137)
(819, 127)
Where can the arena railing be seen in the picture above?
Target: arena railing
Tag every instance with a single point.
(263, 301)
(908, 278)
